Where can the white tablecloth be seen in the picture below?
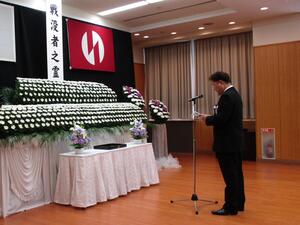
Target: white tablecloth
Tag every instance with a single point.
(99, 175)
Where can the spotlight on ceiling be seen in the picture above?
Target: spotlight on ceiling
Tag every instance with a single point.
(264, 8)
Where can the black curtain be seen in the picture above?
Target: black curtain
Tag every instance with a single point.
(31, 54)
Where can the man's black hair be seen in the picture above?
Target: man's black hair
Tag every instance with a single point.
(217, 76)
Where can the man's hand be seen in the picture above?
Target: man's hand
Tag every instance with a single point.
(202, 117)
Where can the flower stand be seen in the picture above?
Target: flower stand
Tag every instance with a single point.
(159, 140)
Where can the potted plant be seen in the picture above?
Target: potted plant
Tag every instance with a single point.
(79, 139)
(138, 131)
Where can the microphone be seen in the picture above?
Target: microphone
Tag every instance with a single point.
(196, 97)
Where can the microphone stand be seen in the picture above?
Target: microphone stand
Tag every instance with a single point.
(194, 196)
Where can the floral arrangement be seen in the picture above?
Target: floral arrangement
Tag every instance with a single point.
(43, 91)
(158, 111)
(134, 95)
(138, 131)
(79, 137)
(25, 119)
(50, 106)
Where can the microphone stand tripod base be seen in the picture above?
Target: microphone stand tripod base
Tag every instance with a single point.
(194, 197)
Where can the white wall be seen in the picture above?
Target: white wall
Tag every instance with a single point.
(277, 30)
(72, 12)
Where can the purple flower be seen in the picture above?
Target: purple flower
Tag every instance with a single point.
(138, 131)
(134, 95)
(159, 111)
(79, 137)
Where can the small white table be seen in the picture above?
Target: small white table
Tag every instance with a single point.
(95, 176)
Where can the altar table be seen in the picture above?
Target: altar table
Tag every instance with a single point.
(96, 176)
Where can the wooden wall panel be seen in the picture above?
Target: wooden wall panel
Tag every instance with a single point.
(267, 93)
(277, 83)
(139, 76)
(289, 70)
(204, 137)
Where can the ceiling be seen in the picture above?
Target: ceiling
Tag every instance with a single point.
(185, 16)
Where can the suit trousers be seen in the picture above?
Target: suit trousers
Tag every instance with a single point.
(231, 168)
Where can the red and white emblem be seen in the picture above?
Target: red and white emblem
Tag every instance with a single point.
(91, 47)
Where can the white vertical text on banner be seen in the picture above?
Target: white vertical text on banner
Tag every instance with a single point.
(54, 40)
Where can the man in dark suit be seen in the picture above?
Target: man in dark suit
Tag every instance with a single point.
(228, 141)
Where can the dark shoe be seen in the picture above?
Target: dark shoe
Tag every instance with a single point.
(241, 208)
(224, 212)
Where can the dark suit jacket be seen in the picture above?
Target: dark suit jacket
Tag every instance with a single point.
(228, 123)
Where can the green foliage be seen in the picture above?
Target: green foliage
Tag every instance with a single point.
(44, 137)
(8, 96)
